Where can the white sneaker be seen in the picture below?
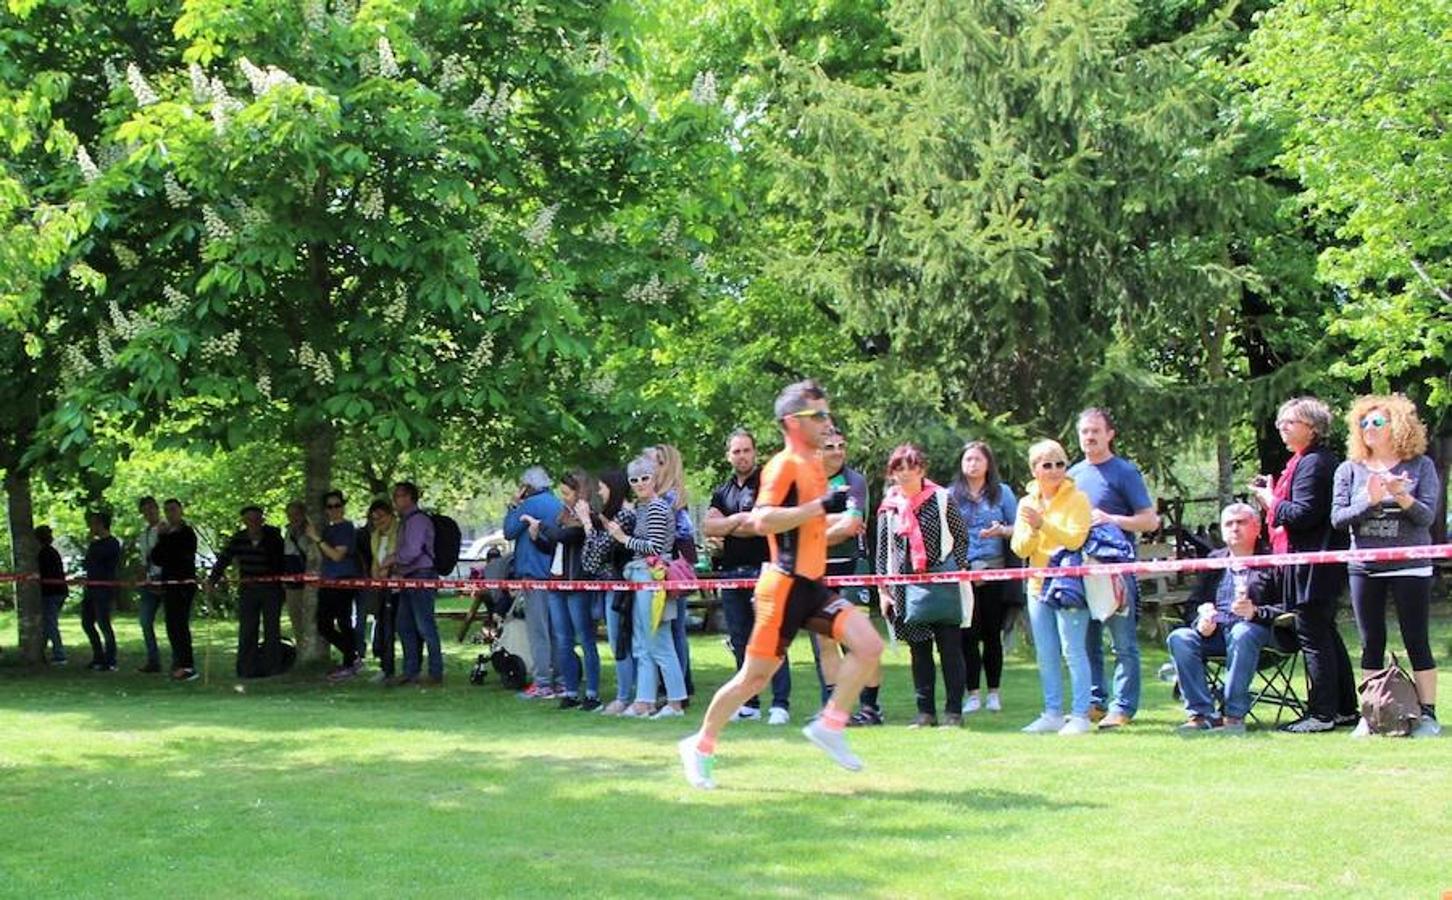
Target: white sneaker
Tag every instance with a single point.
(994, 704)
(972, 704)
(667, 712)
(834, 744)
(747, 714)
(697, 764)
(1362, 729)
(778, 716)
(1048, 723)
(1427, 727)
(1077, 725)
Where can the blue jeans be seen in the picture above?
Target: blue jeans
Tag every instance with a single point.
(1125, 639)
(740, 618)
(571, 624)
(51, 627)
(683, 647)
(416, 623)
(1242, 655)
(147, 603)
(652, 647)
(1060, 632)
(624, 665)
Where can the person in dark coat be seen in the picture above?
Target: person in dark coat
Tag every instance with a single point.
(1298, 515)
(103, 561)
(258, 550)
(53, 592)
(175, 555)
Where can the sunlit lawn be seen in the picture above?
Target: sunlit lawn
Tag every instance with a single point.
(124, 785)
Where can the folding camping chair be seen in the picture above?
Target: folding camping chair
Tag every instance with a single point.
(1274, 682)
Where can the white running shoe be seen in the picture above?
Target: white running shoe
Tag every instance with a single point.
(1048, 723)
(1363, 729)
(1077, 725)
(1427, 727)
(667, 712)
(971, 704)
(697, 764)
(994, 704)
(778, 716)
(747, 714)
(834, 744)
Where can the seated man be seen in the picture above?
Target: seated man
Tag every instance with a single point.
(1230, 617)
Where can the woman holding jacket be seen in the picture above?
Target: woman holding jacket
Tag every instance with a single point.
(1054, 515)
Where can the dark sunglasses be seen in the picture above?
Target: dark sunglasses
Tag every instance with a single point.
(641, 479)
(1374, 422)
(1053, 464)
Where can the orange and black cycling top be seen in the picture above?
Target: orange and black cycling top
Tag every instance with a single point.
(789, 480)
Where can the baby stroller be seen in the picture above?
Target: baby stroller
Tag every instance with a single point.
(505, 641)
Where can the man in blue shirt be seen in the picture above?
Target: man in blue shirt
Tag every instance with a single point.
(1118, 495)
(534, 504)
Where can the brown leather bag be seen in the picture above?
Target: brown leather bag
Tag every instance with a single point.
(1389, 701)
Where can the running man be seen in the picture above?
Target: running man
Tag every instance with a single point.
(791, 510)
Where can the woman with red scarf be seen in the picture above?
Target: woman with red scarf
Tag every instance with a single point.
(919, 529)
(1298, 514)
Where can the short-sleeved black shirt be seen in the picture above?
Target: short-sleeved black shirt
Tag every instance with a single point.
(732, 498)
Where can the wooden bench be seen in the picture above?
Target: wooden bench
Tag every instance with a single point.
(1160, 591)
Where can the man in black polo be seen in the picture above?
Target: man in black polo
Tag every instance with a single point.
(743, 553)
(258, 551)
(846, 544)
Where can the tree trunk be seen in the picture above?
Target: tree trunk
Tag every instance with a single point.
(1442, 456)
(318, 447)
(26, 552)
(1225, 466)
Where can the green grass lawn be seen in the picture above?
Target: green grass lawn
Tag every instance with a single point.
(121, 784)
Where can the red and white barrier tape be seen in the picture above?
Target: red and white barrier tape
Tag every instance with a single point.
(1146, 567)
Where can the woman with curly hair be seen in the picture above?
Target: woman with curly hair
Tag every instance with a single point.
(1386, 495)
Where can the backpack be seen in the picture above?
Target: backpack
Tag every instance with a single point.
(448, 541)
(1389, 701)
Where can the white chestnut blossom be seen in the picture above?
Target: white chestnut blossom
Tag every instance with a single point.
(126, 258)
(142, 91)
(703, 89)
(216, 227)
(387, 63)
(371, 205)
(315, 15)
(264, 383)
(262, 80)
(539, 230)
(176, 195)
(480, 358)
(176, 305)
(318, 363)
(672, 231)
(222, 346)
(88, 165)
(201, 87)
(114, 79)
(650, 293)
(397, 309)
(126, 328)
(104, 349)
(451, 72)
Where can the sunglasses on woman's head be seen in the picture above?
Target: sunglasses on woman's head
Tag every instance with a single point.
(1374, 422)
(1053, 464)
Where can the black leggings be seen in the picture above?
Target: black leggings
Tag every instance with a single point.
(949, 639)
(1412, 595)
(335, 621)
(986, 630)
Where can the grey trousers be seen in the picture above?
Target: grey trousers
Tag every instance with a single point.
(537, 624)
